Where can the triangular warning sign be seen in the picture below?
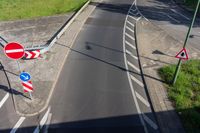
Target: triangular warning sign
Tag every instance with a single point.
(182, 54)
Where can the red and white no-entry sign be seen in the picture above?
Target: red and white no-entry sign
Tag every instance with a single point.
(14, 50)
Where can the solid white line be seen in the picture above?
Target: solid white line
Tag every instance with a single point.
(133, 66)
(129, 79)
(129, 44)
(43, 121)
(130, 23)
(130, 29)
(130, 36)
(17, 125)
(142, 99)
(4, 99)
(173, 18)
(137, 81)
(14, 51)
(180, 14)
(128, 52)
(150, 122)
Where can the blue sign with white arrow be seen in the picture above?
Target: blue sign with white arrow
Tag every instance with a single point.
(24, 76)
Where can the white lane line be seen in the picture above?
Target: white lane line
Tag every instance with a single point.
(43, 121)
(137, 81)
(173, 18)
(130, 36)
(128, 52)
(180, 14)
(134, 18)
(150, 122)
(142, 99)
(133, 10)
(4, 99)
(130, 23)
(129, 44)
(129, 79)
(133, 66)
(18, 124)
(130, 29)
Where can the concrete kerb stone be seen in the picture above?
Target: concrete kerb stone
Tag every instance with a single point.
(157, 92)
(71, 43)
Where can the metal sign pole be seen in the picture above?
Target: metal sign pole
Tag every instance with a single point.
(186, 40)
(31, 95)
(19, 66)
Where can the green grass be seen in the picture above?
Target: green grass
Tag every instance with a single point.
(185, 93)
(25, 9)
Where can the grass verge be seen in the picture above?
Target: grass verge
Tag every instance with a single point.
(185, 93)
(25, 9)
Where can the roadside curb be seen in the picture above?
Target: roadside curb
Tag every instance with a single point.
(166, 116)
(143, 77)
(59, 34)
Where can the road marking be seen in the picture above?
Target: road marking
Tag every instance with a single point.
(142, 99)
(130, 23)
(133, 66)
(128, 52)
(4, 99)
(130, 36)
(14, 51)
(173, 18)
(137, 81)
(129, 79)
(133, 10)
(129, 44)
(150, 122)
(134, 18)
(43, 121)
(130, 29)
(18, 124)
(180, 14)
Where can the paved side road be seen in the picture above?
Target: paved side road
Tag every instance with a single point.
(171, 18)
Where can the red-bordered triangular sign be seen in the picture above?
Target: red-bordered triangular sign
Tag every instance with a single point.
(182, 54)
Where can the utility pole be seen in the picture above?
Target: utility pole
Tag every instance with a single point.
(186, 40)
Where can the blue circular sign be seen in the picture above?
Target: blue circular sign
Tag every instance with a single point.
(24, 76)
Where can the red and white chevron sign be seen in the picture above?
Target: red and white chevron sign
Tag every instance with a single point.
(32, 54)
(28, 86)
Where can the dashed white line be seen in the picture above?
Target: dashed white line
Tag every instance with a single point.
(137, 81)
(173, 18)
(4, 99)
(180, 14)
(129, 44)
(18, 124)
(130, 29)
(128, 52)
(142, 99)
(130, 23)
(43, 121)
(130, 36)
(150, 122)
(133, 66)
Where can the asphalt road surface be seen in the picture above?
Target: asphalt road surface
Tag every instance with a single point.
(172, 18)
(94, 93)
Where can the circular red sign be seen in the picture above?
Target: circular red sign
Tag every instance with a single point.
(14, 50)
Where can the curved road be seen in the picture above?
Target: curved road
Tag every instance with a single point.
(100, 87)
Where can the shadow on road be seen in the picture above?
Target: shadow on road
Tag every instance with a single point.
(8, 88)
